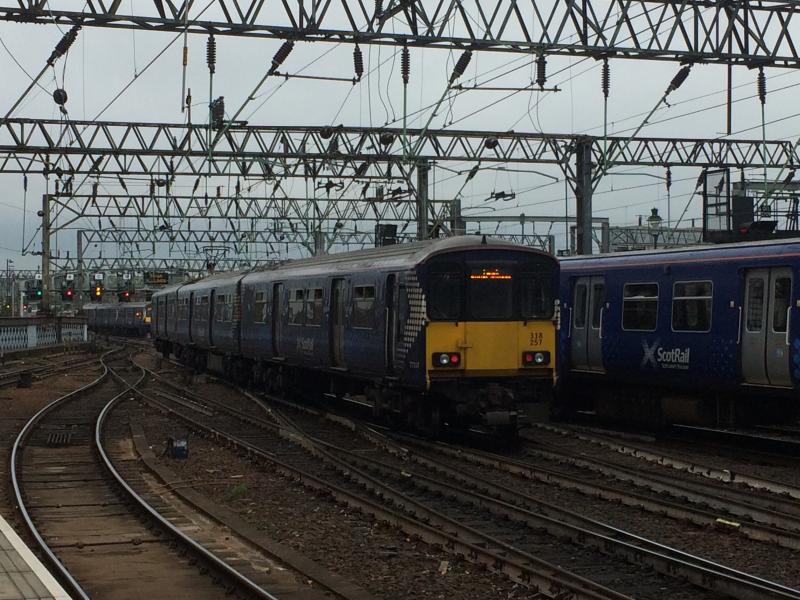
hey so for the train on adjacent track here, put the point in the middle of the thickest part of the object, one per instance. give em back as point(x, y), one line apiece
point(707, 334)
point(127, 318)
point(458, 331)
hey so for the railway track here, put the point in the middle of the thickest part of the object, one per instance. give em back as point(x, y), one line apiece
point(268, 440)
point(674, 460)
point(84, 517)
point(474, 503)
point(37, 369)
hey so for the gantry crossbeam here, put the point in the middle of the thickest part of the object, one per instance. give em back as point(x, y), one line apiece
point(709, 31)
point(166, 149)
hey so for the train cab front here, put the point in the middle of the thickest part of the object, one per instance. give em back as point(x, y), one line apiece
point(490, 335)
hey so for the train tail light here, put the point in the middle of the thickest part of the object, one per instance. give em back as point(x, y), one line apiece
point(444, 360)
point(535, 359)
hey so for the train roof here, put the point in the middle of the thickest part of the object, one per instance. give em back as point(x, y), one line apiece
point(102, 306)
point(395, 256)
point(715, 252)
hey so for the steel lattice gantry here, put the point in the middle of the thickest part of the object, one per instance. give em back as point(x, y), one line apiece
point(705, 31)
point(51, 146)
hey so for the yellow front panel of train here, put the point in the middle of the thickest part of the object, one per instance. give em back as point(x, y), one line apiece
point(490, 348)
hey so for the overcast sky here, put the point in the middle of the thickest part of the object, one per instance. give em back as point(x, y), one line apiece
point(103, 61)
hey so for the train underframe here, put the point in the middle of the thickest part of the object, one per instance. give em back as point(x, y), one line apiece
point(488, 406)
point(656, 406)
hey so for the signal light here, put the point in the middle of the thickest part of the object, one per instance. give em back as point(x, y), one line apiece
point(97, 293)
point(67, 294)
point(124, 296)
point(38, 293)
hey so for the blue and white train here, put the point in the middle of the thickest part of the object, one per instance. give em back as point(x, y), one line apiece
point(456, 330)
point(705, 334)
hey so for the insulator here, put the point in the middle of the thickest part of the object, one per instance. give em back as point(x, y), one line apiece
point(25, 183)
point(64, 44)
point(762, 85)
point(606, 78)
point(358, 62)
point(405, 64)
point(378, 8)
point(679, 78)
point(211, 54)
point(461, 65)
point(541, 71)
point(281, 55)
point(669, 178)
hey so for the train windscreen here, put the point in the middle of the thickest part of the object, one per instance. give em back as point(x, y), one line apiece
point(490, 290)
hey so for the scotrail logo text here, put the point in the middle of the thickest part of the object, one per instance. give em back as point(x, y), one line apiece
point(656, 356)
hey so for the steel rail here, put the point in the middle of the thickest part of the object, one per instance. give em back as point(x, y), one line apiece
point(520, 468)
point(558, 521)
point(75, 588)
point(648, 454)
point(242, 580)
point(505, 501)
point(519, 565)
point(663, 558)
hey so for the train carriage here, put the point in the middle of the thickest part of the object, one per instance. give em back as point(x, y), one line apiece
point(457, 330)
point(130, 318)
point(706, 334)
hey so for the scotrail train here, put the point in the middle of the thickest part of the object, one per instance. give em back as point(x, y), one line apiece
point(703, 335)
point(457, 331)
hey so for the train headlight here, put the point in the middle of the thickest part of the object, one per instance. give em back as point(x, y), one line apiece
point(446, 359)
point(535, 359)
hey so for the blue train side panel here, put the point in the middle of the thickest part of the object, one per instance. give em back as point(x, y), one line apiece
point(710, 320)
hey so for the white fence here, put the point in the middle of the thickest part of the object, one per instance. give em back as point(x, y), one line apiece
point(39, 332)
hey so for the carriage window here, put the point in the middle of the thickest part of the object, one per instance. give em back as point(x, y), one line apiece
point(691, 306)
point(491, 292)
point(598, 302)
point(219, 308)
point(640, 306)
point(755, 304)
point(314, 306)
point(260, 308)
point(363, 307)
point(536, 300)
point(780, 311)
point(444, 293)
point(581, 297)
point(296, 299)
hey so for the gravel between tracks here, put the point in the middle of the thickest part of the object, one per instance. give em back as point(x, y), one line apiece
point(378, 557)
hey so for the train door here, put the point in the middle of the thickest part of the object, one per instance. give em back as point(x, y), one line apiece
point(212, 309)
point(190, 316)
point(588, 311)
point(337, 322)
point(391, 324)
point(277, 326)
point(764, 337)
